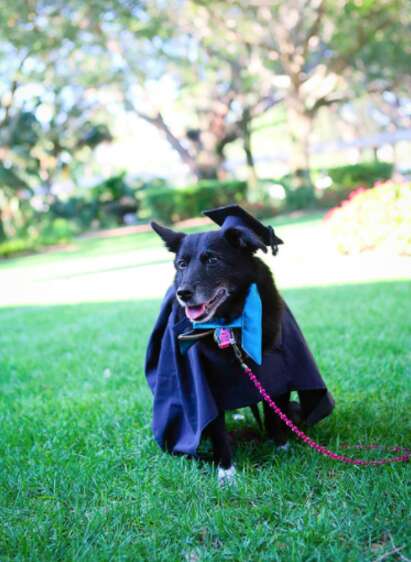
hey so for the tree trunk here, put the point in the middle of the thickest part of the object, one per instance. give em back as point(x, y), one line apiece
point(255, 194)
point(208, 163)
point(300, 123)
point(208, 159)
point(395, 161)
point(2, 232)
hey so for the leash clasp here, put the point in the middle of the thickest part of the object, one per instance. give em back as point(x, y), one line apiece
point(224, 337)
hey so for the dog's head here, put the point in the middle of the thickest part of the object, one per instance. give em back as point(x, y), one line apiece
point(213, 269)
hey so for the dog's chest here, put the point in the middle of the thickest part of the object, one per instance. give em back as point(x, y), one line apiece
point(227, 382)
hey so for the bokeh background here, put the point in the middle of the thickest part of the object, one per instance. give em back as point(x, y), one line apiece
point(116, 112)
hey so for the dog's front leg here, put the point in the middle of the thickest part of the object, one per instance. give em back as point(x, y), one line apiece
point(223, 457)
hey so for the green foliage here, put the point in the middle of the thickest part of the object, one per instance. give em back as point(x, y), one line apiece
point(77, 209)
point(107, 203)
point(342, 180)
point(25, 130)
point(49, 122)
point(296, 198)
point(56, 230)
point(111, 189)
point(44, 231)
point(364, 173)
point(62, 62)
point(161, 204)
point(10, 180)
point(102, 205)
point(16, 246)
point(113, 199)
point(171, 205)
point(379, 218)
point(299, 198)
point(347, 178)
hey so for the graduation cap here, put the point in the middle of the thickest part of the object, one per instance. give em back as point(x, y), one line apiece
point(234, 218)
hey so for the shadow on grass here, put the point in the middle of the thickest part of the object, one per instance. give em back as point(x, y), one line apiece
point(360, 336)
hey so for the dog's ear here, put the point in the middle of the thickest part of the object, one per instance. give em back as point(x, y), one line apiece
point(243, 238)
point(171, 238)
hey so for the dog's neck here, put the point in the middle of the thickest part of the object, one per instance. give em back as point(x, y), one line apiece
point(270, 300)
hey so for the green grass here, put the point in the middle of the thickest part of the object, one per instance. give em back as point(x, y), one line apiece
point(81, 478)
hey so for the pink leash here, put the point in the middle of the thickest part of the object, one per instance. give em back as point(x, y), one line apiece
point(405, 457)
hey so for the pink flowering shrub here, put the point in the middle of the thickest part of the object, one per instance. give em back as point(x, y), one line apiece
point(374, 219)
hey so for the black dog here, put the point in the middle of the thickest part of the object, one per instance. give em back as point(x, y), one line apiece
point(214, 273)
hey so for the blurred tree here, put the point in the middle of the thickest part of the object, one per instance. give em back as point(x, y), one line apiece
point(49, 116)
point(320, 52)
point(219, 108)
point(200, 72)
point(228, 89)
point(217, 95)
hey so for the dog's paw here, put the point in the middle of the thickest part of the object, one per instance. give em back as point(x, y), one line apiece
point(226, 476)
point(283, 448)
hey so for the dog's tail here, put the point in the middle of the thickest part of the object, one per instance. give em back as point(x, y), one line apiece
point(257, 416)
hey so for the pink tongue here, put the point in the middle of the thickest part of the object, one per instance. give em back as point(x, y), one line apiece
point(193, 312)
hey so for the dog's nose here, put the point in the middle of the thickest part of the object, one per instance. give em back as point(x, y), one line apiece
point(184, 294)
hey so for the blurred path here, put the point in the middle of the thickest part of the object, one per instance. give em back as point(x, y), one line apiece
point(136, 267)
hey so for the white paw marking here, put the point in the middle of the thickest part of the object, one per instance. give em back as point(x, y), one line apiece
point(283, 448)
point(226, 476)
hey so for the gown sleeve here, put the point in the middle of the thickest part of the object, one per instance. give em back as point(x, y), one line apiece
point(190, 388)
point(183, 404)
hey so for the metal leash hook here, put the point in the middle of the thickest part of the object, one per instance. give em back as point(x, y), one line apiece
point(224, 337)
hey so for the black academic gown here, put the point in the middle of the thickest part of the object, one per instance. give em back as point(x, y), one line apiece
point(190, 388)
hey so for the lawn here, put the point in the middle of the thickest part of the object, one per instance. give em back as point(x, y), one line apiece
point(80, 476)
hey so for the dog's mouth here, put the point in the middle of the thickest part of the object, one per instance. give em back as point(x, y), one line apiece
point(205, 311)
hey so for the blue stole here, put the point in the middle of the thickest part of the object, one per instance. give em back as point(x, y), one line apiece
point(249, 322)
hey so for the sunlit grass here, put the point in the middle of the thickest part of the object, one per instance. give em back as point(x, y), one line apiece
point(80, 475)
point(137, 266)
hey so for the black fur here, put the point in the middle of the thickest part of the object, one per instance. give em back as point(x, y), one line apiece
point(209, 261)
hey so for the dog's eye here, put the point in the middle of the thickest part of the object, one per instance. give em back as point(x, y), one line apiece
point(181, 264)
point(211, 260)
